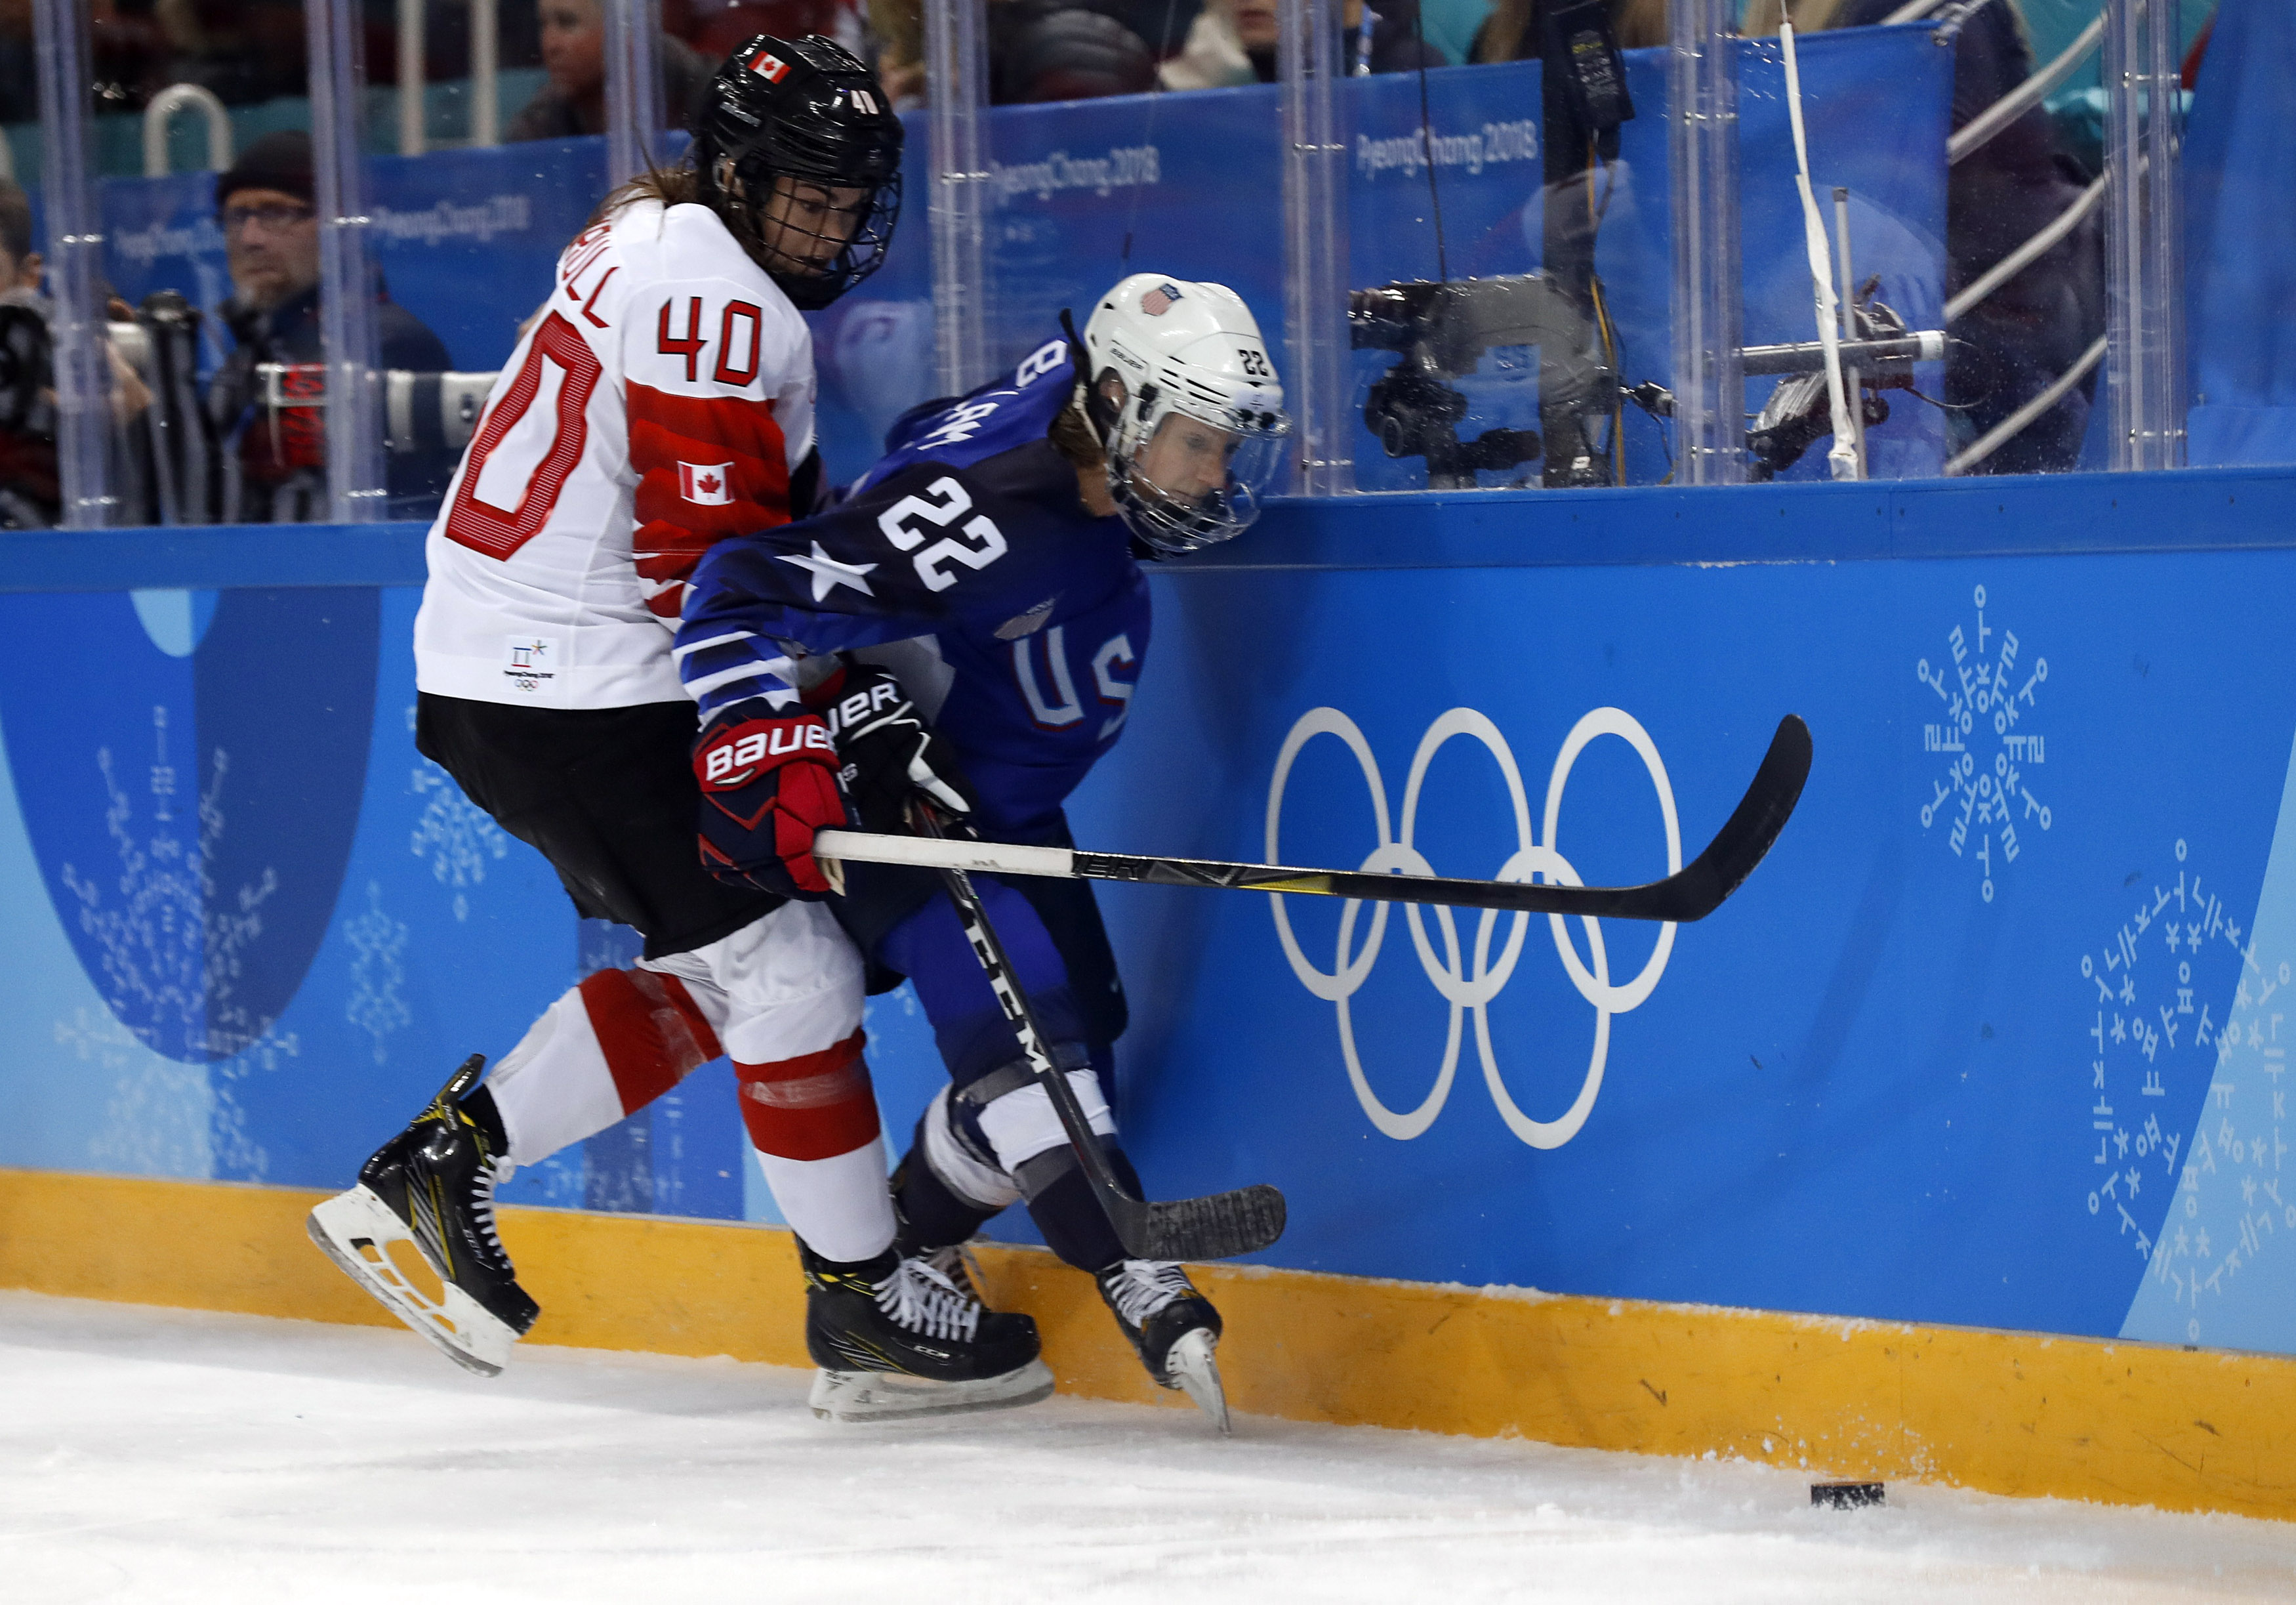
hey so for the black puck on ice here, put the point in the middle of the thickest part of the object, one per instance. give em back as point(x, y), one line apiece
point(1845, 1495)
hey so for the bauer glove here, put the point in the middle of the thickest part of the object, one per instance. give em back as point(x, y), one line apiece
point(886, 752)
point(768, 782)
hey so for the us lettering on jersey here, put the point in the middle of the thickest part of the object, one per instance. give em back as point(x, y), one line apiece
point(706, 483)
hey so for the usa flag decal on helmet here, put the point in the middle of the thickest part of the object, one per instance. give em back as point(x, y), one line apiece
point(1158, 301)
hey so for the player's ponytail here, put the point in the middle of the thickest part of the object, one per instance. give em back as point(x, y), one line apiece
point(1074, 437)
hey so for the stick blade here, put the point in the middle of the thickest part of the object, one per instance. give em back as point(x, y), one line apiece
point(1217, 1226)
point(1746, 836)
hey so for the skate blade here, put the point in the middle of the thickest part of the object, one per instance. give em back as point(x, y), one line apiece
point(1191, 1369)
point(870, 1396)
point(355, 1229)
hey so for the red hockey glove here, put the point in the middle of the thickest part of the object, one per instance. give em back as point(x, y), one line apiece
point(886, 752)
point(768, 782)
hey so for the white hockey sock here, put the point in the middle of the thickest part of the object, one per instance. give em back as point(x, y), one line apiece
point(605, 1050)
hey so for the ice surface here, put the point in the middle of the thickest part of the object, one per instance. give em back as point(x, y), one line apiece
point(158, 1456)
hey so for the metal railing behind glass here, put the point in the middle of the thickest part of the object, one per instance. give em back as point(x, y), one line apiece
point(161, 112)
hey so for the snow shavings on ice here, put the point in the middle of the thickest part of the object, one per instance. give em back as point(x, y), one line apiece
point(158, 1456)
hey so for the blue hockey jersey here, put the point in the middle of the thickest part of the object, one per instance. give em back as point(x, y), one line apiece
point(966, 560)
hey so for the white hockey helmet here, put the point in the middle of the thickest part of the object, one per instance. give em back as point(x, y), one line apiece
point(1186, 401)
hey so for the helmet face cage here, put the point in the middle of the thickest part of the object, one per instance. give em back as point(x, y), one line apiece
point(787, 127)
point(1171, 519)
point(814, 249)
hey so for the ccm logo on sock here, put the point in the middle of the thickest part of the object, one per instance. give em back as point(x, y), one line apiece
point(733, 761)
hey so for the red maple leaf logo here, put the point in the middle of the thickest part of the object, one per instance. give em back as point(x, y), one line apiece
point(706, 484)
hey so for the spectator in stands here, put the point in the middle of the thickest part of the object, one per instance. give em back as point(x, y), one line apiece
point(30, 496)
point(1060, 50)
point(899, 27)
point(19, 75)
point(716, 29)
point(19, 263)
point(1511, 32)
point(574, 54)
point(276, 455)
point(1234, 42)
point(2015, 343)
point(1039, 50)
point(246, 51)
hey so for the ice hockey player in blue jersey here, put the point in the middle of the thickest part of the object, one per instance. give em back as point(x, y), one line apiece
point(969, 623)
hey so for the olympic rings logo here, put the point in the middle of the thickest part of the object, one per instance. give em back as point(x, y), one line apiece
point(1471, 991)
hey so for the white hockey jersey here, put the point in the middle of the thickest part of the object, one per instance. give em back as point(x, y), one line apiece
point(662, 400)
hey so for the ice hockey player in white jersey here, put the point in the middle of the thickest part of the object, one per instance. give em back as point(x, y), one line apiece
point(660, 401)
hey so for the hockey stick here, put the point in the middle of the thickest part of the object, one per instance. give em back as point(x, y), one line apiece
point(1218, 1226)
point(1692, 892)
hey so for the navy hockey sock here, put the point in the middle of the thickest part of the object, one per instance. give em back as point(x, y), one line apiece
point(1069, 1214)
point(931, 1216)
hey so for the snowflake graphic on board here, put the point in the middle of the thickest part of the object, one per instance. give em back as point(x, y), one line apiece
point(172, 948)
point(2153, 1034)
point(2235, 1176)
point(455, 836)
point(377, 940)
point(1984, 798)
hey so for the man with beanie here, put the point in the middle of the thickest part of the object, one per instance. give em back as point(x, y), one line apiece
point(275, 457)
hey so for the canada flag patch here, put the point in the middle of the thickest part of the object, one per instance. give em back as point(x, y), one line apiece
point(707, 483)
point(769, 67)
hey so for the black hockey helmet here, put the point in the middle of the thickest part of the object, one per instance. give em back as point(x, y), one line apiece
point(805, 109)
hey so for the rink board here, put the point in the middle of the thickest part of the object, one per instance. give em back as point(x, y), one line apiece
point(1990, 1041)
point(2006, 1413)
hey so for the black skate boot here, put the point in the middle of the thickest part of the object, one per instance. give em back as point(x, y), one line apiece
point(896, 1338)
point(1173, 1327)
point(432, 1187)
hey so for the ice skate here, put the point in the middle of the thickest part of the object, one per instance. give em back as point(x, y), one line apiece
point(1173, 1327)
point(432, 1189)
point(898, 1338)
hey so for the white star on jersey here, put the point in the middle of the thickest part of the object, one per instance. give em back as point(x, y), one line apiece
point(828, 573)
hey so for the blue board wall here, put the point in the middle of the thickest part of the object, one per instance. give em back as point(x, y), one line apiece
point(1993, 1038)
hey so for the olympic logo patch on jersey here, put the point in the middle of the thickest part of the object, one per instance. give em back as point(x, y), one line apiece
point(769, 67)
point(706, 484)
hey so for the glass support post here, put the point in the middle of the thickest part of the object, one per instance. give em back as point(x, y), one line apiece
point(633, 88)
point(1710, 384)
point(957, 89)
point(410, 78)
point(346, 298)
point(1316, 375)
point(486, 62)
point(2144, 288)
point(75, 246)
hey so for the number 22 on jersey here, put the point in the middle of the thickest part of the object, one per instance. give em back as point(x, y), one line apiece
point(950, 501)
